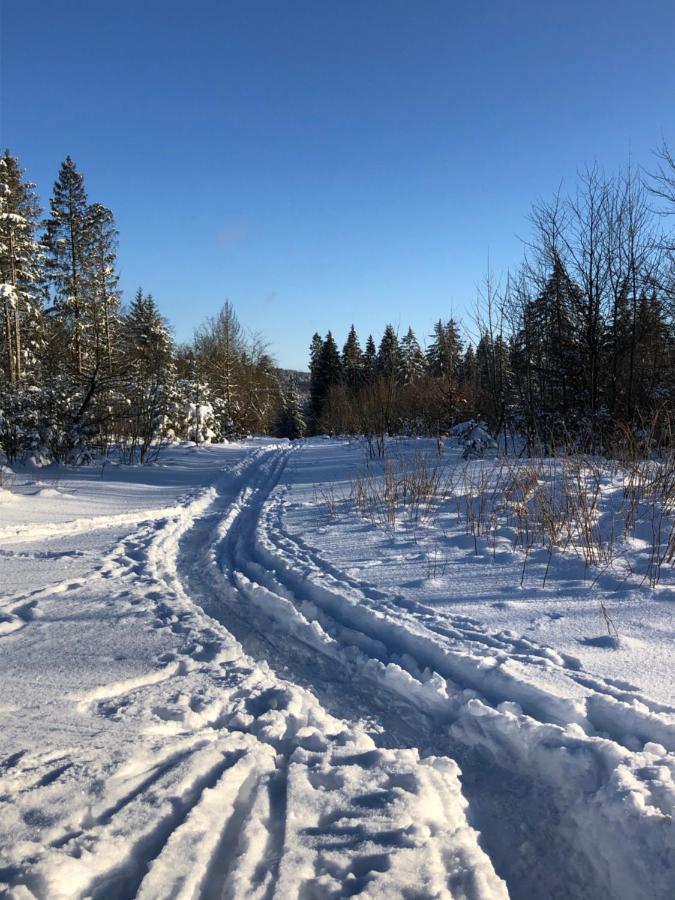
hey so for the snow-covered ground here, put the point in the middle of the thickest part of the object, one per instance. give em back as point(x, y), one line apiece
point(218, 680)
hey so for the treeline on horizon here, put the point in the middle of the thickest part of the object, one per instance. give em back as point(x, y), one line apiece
point(575, 349)
point(80, 373)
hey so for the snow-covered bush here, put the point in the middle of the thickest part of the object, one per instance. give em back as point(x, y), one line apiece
point(6, 476)
point(199, 423)
point(474, 437)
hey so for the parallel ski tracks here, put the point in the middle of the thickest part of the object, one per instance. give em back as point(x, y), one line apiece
point(221, 569)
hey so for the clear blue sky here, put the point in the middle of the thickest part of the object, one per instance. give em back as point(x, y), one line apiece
point(329, 161)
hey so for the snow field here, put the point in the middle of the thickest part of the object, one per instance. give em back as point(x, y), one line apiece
point(147, 755)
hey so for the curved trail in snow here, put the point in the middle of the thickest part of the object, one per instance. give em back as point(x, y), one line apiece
point(302, 737)
point(366, 657)
point(232, 780)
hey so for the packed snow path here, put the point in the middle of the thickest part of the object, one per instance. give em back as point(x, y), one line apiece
point(223, 708)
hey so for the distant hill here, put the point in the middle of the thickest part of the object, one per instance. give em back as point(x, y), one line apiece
point(297, 379)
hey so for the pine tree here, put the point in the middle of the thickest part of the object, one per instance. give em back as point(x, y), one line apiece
point(352, 362)
point(444, 354)
point(330, 366)
point(327, 371)
point(220, 346)
point(150, 372)
point(21, 320)
point(291, 423)
point(370, 361)
point(315, 349)
point(413, 362)
point(551, 353)
point(20, 275)
point(67, 243)
point(435, 351)
point(389, 356)
point(469, 373)
point(102, 312)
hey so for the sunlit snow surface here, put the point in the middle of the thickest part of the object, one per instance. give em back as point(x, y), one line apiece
point(213, 685)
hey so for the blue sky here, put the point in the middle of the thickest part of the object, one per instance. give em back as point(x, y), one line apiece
point(324, 162)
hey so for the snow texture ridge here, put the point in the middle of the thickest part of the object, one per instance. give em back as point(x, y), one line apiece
point(246, 697)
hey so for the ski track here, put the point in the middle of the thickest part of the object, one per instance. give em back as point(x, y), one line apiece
point(303, 740)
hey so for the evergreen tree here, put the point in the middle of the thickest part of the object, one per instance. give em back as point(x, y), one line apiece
point(220, 346)
point(549, 361)
point(469, 373)
point(327, 372)
point(315, 387)
point(291, 423)
point(370, 361)
point(389, 356)
point(20, 275)
point(435, 351)
point(352, 362)
point(150, 374)
point(330, 366)
point(22, 336)
point(444, 354)
point(102, 313)
point(413, 362)
point(67, 243)
point(315, 349)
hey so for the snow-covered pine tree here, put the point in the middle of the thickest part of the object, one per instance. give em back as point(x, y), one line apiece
point(413, 362)
point(67, 243)
point(291, 423)
point(21, 323)
point(102, 311)
point(149, 375)
point(219, 344)
point(20, 275)
point(444, 353)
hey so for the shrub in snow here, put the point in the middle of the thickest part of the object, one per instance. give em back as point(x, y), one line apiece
point(474, 437)
point(39, 457)
point(6, 477)
point(199, 423)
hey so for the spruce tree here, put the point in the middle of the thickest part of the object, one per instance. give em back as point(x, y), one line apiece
point(67, 244)
point(413, 362)
point(220, 345)
point(327, 372)
point(291, 423)
point(444, 354)
point(102, 311)
point(150, 371)
point(352, 362)
point(315, 349)
point(21, 322)
point(20, 275)
point(370, 361)
point(315, 388)
point(389, 356)
point(436, 352)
